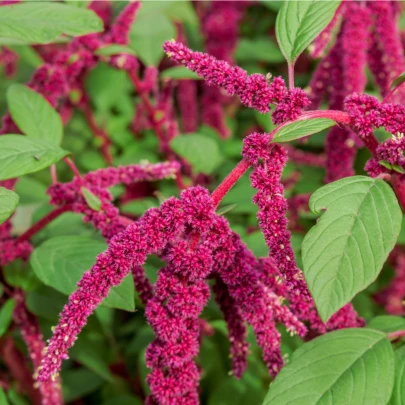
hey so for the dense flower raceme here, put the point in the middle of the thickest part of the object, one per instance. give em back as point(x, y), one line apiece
point(268, 163)
point(195, 243)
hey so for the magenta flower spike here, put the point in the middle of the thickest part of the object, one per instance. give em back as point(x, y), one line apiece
point(254, 90)
point(126, 250)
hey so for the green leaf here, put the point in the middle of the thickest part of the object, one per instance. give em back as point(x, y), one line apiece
point(78, 383)
point(149, 31)
point(34, 115)
point(260, 49)
point(387, 323)
point(42, 22)
point(91, 199)
point(389, 166)
point(179, 72)
point(398, 393)
point(299, 23)
point(3, 398)
point(299, 129)
point(114, 49)
point(61, 261)
point(6, 315)
point(345, 251)
point(8, 203)
point(21, 155)
point(399, 80)
point(226, 208)
point(350, 366)
point(201, 151)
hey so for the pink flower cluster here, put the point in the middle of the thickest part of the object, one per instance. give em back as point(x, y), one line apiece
point(254, 91)
point(107, 219)
point(51, 392)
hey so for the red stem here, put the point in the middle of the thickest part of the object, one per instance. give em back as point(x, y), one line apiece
point(72, 166)
point(99, 133)
point(395, 335)
point(291, 75)
point(229, 181)
point(156, 125)
point(28, 234)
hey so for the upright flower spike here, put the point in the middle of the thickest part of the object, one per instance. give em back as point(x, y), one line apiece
point(128, 249)
point(51, 390)
point(254, 90)
point(119, 33)
point(237, 332)
point(389, 44)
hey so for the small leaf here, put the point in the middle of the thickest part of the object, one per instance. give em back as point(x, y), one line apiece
point(299, 23)
point(179, 72)
point(387, 323)
point(77, 383)
point(398, 393)
point(385, 164)
point(42, 22)
point(350, 366)
point(299, 129)
point(17, 155)
point(8, 203)
point(201, 151)
point(399, 80)
point(91, 199)
point(227, 208)
point(345, 251)
point(6, 315)
point(114, 49)
point(34, 115)
point(61, 261)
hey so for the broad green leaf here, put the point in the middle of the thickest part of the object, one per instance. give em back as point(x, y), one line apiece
point(3, 398)
point(199, 150)
point(149, 31)
point(398, 393)
point(179, 72)
point(77, 383)
point(261, 49)
point(8, 203)
point(6, 315)
point(399, 80)
point(387, 323)
point(34, 115)
point(345, 251)
point(61, 261)
point(16, 398)
point(114, 49)
point(299, 23)
point(21, 155)
point(350, 366)
point(42, 22)
point(92, 356)
point(299, 129)
point(91, 199)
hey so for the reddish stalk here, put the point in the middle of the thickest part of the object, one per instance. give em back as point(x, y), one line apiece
point(72, 166)
point(54, 176)
point(395, 335)
point(220, 192)
point(156, 125)
point(98, 133)
point(28, 234)
point(291, 75)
